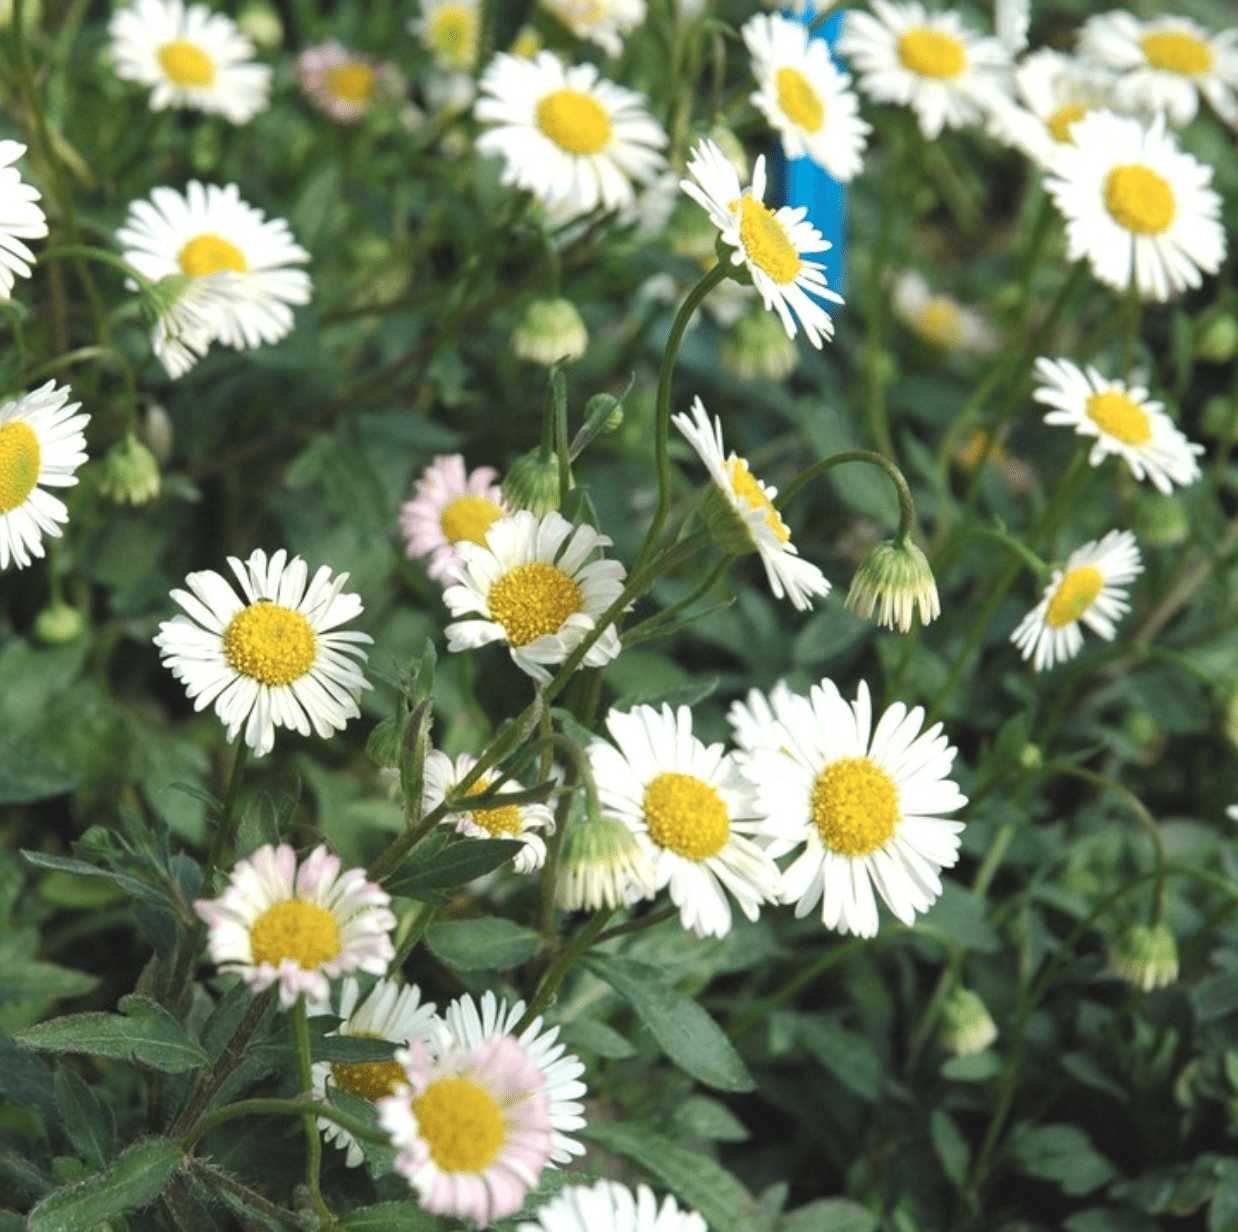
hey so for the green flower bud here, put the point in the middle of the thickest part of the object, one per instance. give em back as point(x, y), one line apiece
point(550, 330)
point(58, 624)
point(966, 1024)
point(1031, 757)
point(130, 473)
point(1145, 956)
point(756, 348)
point(900, 580)
point(532, 484)
point(260, 22)
point(601, 865)
point(386, 744)
point(1217, 341)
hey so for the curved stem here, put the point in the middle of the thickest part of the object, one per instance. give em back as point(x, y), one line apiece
point(1015, 546)
point(906, 506)
point(76, 252)
point(640, 924)
point(561, 966)
point(281, 1107)
point(648, 628)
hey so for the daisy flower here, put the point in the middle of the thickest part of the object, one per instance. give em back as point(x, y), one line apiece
point(1136, 206)
point(804, 96)
point(190, 57)
point(274, 658)
point(1089, 589)
point(895, 581)
point(770, 244)
point(20, 218)
point(604, 22)
point(1011, 19)
point(930, 62)
point(1122, 419)
point(691, 812)
point(514, 821)
point(742, 517)
point(940, 319)
point(572, 139)
point(607, 1206)
point(298, 927)
point(241, 259)
point(1165, 64)
point(390, 1012)
point(533, 586)
point(865, 803)
point(450, 30)
point(344, 84)
point(601, 864)
point(41, 445)
point(450, 506)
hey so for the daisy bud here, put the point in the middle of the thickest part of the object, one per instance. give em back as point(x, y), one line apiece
point(386, 744)
point(533, 483)
point(1145, 956)
point(550, 330)
point(130, 473)
point(601, 864)
point(261, 24)
point(756, 348)
point(58, 624)
point(967, 1026)
point(1218, 339)
point(898, 577)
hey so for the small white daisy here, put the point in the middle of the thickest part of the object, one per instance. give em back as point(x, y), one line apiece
point(607, 1206)
point(804, 97)
point(344, 84)
point(931, 62)
point(770, 244)
point(390, 1012)
point(534, 587)
point(41, 445)
point(604, 22)
point(690, 810)
point(298, 927)
point(1089, 590)
point(20, 218)
point(574, 140)
point(1136, 206)
point(866, 804)
point(744, 519)
point(450, 30)
point(190, 57)
point(1123, 420)
point(941, 319)
point(275, 658)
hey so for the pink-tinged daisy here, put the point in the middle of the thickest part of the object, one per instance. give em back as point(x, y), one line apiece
point(298, 927)
point(450, 506)
point(344, 84)
point(607, 1206)
point(20, 218)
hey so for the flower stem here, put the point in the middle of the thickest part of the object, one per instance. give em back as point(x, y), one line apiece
point(305, 1074)
point(561, 966)
point(906, 506)
point(831, 958)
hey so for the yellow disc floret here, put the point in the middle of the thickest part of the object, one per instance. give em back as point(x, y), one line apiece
point(1120, 417)
point(766, 242)
point(370, 1079)
point(932, 54)
point(532, 601)
point(1176, 51)
point(272, 644)
point(496, 821)
point(352, 82)
point(186, 64)
point(461, 1123)
point(1139, 199)
point(20, 461)
point(574, 121)
point(469, 517)
point(854, 807)
point(1076, 592)
point(941, 323)
point(453, 35)
point(745, 486)
point(304, 932)
point(686, 815)
point(208, 254)
point(799, 100)
point(1060, 121)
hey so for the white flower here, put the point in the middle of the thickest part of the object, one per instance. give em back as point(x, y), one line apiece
point(770, 244)
point(41, 445)
point(941, 319)
point(1089, 589)
point(746, 519)
point(20, 218)
point(1122, 419)
point(1011, 19)
point(534, 587)
point(190, 57)
point(931, 62)
point(607, 1206)
point(298, 927)
point(272, 659)
point(1136, 206)
point(804, 96)
point(572, 139)
point(866, 804)
point(604, 22)
point(690, 810)
point(450, 30)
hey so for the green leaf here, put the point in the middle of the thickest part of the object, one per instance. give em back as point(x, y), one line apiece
point(490, 944)
point(585, 1035)
point(27, 979)
point(28, 774)
point(829, 1215)
point(89, 1130)
point(699, 1116)
point(959, 916)
point(449, 868)
point(979, 1067)
point(351, 1049)
point(689, 1036)
point(951, 1147)
point(391, 1217)
point(847, 1055)
point(132, 886)
point(1063, 1154)
point(1223, 1211)
point(1109, 1219)
point(132, 1182)
point(145, 1034)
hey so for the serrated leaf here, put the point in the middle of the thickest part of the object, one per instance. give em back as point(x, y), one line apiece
point(351, 1049)
point(489, 944)
point(450, 867)
point(89, 1129)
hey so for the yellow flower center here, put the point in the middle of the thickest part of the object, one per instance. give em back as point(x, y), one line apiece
point(533, 600)
point(941, 322)
point(185, 64)
point(798, 100)
point(496, 821)
point(932, 53)
point(574, 121)
point(304, 932)
point(272, 644)
point(1139, 199)
point(453, 33)
point(686, 816)
point(1121, 417)
point(469, 517)
point(20, 461)
point(1060, 121)
point(854, 807)
point(765, 241)
point(370, 1079)
point(461, 1123)
point(208, 254)
point(352, 82)
point(972, 450)
point(1076, 593)
point(1177, 52)
point(745, 486)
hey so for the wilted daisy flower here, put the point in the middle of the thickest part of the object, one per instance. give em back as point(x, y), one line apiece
point(690, 810)
point(514, 821)
point(390, 1012)
point(471, 1127)
point(272, 659)
point(741, 515)
point(1136, 206)
point(866, 804)
point(449, 506)
point(344, 84)
point(243, 259)
point(450, 31)
point(930, 62)
point(601, 864)
point(41, 445)
point(1145, 956)
point(1090, 590)
point(1122, 419)
point(572, 139)
point(534, 587)
point(190, 57)
point(298, 927)
point(897, 580)
point(604, 22)
point(941, 319)
point(607, 1206)
point(804, 96)
point(1165, 64)
point(20, 218)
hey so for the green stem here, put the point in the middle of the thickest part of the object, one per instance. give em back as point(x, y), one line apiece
point(225, 827)
point(561, 966)
point(906, 506)
point(1134, 318)
point(648, 628)
point(74, 252)
point(992, 861)
point(305, 1075)
point(1015, 546)
point(639, 925)
point(831, 958)
point(306, 1108)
